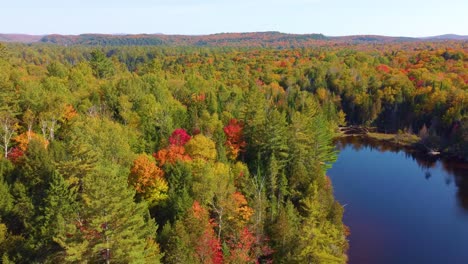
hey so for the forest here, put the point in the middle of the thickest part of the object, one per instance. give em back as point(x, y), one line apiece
point(119, 154)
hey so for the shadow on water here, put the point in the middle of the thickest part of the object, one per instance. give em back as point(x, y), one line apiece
point(456, 171)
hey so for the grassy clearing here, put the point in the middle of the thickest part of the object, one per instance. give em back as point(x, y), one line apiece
point(402, 139)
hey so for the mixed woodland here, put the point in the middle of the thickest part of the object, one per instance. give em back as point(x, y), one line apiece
point(119, 154)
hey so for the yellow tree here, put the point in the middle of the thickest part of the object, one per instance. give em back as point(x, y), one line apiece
point(201, 147)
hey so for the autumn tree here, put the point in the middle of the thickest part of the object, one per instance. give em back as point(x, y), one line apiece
point(201, 244)
point(148, 180)
point(201, 147)
point(234, 138)
point(171, 154)
point(179, 137)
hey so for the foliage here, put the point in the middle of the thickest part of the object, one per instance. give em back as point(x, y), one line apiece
point(148, 180)
point(109, 223)
point(179, 137)
point(201, 147)
point(171, 155)
point(234, 138)
point(241, 140)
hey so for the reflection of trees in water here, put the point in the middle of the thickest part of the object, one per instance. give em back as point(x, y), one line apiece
point(462, 190)
point(427, 175)
point(460, 173)
point(357, 143)
point(448, 179)
point(455, 170)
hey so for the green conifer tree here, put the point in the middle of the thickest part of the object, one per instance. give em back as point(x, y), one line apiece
point(110, 226)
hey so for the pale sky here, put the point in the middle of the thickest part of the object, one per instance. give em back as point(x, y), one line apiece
point(414, 18)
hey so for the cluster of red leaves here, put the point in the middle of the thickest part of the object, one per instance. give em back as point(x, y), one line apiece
point(248, 248)
point(259, 82)
point(22, 141)
point(196, 131)
point(383, 68)
point(234, 137)
point(171, 154)
point(283, 64)
point(241, 248)
point(199, 97)
point(208, 246)
point(15, 154)
point(176, 150)
point(87, 233)
point(197, 210)
point(179, 137)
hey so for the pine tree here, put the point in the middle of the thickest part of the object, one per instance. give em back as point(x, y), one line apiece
point(321, 241)
point(35, 171)
point(276, 140)
point(110, 226)
point(77, 159)
point(284, 233)
point(6, 199)
point(178, 247)
point(311, 150)
point(101, 65)
point(59, 205)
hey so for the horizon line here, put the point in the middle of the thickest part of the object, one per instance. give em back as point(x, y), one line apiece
point(233, 32)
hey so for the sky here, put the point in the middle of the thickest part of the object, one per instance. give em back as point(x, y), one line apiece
point(413, 18)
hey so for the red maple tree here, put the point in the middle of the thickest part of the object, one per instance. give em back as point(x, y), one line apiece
point(235, 137)
point(179, 137)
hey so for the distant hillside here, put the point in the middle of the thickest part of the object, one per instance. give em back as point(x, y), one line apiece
point(448, 37)
point(253, 39)
point(261, 39)
point(19, 38)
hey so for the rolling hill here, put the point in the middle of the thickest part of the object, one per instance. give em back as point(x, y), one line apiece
point(251, 39)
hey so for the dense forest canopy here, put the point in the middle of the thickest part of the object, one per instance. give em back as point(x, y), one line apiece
point(202, 155)
point(271, 39)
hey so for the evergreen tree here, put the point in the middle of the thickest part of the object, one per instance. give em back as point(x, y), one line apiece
point(6, 199)
point(59, 206)
point(321, 241)
point(109, 226)
point(101, 65)
point(178, 247)
point(284, 233)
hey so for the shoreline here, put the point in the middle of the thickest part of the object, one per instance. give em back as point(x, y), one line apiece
point(409, 142)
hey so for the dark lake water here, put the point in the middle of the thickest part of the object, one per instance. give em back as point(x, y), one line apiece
point(400, 207)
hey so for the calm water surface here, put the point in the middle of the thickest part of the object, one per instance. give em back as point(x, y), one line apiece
point(401, 208)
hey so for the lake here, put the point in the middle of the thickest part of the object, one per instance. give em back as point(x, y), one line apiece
point(401, 207)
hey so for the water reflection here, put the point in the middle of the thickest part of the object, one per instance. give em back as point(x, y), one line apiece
point(403, 206)
point(461, 180)
point(455, 171)
point(428, 175)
